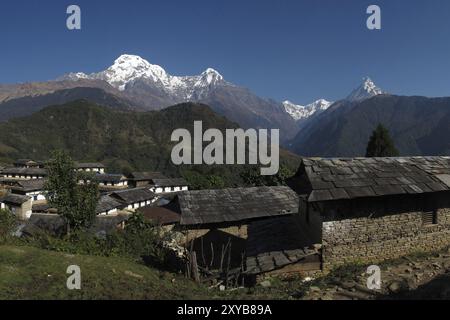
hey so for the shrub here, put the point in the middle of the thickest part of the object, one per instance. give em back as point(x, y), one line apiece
point(8, 223)
point(140, 240)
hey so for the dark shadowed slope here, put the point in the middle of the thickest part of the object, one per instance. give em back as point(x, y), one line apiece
point(418, 125)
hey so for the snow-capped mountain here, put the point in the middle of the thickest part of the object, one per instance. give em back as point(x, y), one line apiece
point(299, 112)
point(151, 87)
point(128, 69)
point(366, 90)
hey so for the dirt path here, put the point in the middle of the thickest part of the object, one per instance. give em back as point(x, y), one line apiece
point(405, 278)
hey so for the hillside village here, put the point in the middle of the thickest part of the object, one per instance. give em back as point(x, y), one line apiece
point(24, 184)
point(334, 211)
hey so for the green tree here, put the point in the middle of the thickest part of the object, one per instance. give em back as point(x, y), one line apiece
point(7, 225)
point(75, 203)
point(252, 177)
point(381, 144)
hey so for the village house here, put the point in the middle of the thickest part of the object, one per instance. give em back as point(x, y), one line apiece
point(90, 167)
point(133, 199)
point(28, 163)
point(372, 209)
point(23, 195)
point(32, 188)
point(107, 181)
point(143, 179)
point(108, 206)
point(167, 216)
point(169, 185)
point(24, 173)
point(19, 205)
point(113, 181)
point(251, 222)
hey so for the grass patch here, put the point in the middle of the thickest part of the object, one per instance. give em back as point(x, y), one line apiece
point(32, 273)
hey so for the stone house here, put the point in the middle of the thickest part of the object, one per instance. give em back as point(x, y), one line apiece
point(19, 205)
point(247, 220)
point(372, 209)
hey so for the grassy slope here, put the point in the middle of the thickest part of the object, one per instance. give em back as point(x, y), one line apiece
point(30, 273)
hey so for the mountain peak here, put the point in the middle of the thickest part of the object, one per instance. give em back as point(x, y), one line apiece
point(211, 76)
point(128, 67)
point(366, 90)
point(131, 58)
point(300, 112)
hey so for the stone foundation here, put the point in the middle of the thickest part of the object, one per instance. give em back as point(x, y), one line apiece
point(375, 233)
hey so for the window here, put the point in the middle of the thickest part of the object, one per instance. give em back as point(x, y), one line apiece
point(429, 218)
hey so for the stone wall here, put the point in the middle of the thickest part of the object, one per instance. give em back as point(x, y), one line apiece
point(372, 231)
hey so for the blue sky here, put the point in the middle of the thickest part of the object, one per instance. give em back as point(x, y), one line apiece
point(299, 50)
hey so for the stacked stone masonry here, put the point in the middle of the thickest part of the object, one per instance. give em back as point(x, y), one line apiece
point(373, 236)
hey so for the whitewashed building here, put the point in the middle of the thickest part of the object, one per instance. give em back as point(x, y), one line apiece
point(95, 167)
point(23, 173)
point(133, 199)
point(169, 185)
point(108, 206)
point(32, 188)
point(109, 180)
point(19, 205)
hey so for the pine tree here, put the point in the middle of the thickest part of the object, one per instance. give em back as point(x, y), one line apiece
point(381, 144)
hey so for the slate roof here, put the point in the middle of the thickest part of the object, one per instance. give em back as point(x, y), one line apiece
point(85, 165)
point(275, 243)
point(25, 171)
point(15, 199)
point(131, 196)
point(160, 215)
point(147, 175)
point(235, 204)
point(178, 182)
point(29, 185)
point(109, 177)
point(107, 203)
point(42, 207)
point(26, 162)
point(348, 178)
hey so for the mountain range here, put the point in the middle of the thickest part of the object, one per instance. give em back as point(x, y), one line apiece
point(321, 128)
point(418, 126)
point(142, 86)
